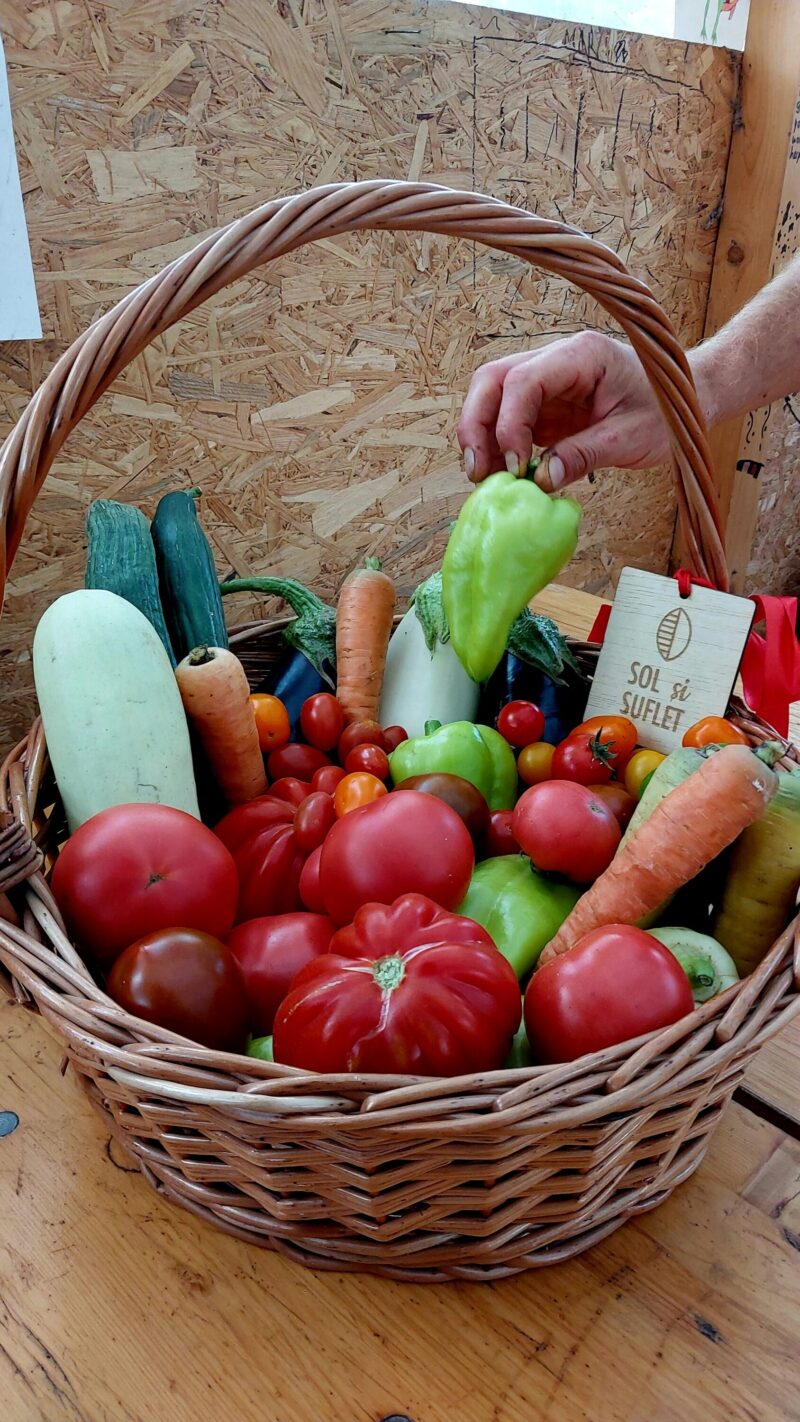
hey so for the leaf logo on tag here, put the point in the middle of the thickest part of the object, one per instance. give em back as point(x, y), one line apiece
point(674, 634)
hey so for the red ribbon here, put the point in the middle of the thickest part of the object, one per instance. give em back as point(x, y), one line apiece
point(771, 663)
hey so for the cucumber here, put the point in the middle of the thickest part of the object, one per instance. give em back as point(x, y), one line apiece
point(189, 587)
point(113, 719)
point(121, 559)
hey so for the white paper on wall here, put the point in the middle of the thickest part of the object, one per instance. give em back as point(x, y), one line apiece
point(19, 311)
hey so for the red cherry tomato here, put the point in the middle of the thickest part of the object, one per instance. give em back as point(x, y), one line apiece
point(585, 758)
point(565, 829)
point(616, 731)
point(314, 818)
point(521, 723)
point(290, 789)
point(621, 804)
point(356, 790)
point(615, 984)
point(369, 758)
point(269, 952)
point(394, 737)
point(327, 778)
point(534, 763)
point(309, 888)
point(272, 721)
point(187, 982)
point(297, 761)
point(402, 843)
point(499, 836)
point(360, 733)
point(133, 869)
point(322, 721)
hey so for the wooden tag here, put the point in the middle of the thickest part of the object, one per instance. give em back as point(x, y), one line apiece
point(666, 660)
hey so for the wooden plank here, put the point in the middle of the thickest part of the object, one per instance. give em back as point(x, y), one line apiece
point(116, 1305)
point(762, 178)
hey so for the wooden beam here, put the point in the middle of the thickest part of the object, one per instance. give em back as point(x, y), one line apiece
point(763, 175)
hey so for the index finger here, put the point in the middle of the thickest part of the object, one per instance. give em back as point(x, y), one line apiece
point(476, 427)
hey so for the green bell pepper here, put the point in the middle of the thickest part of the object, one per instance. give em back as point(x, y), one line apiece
point(708, 966)
point(476, 753)
point(260, 1047)
point(520, 908)
point(510, 540)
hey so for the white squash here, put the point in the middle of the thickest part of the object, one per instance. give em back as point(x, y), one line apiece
point(115, 727)
point(423, 678)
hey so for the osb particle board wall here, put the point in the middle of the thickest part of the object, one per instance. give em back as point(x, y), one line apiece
point(315, 402)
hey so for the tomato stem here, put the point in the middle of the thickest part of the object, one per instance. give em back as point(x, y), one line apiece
point(389, 972)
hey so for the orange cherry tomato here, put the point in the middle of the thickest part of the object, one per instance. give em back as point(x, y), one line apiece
point(533, 763)
point(356, 790)
point(272, 721)
point(714, 731)
point(615, 731)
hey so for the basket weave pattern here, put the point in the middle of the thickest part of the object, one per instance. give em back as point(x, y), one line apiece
point(472, 1178)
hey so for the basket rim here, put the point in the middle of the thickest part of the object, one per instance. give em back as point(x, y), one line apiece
point(47, 969)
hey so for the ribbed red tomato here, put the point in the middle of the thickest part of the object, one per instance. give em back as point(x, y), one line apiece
point(268, 855)
point(405, 988)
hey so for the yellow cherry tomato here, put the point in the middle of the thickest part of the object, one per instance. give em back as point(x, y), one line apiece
point(272, 721)
point(641, 764)
point(357, 789)
point(533, 763)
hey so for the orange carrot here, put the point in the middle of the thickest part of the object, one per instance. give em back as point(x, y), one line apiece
point(689, 828)
point(363, 627)
point(216, 698)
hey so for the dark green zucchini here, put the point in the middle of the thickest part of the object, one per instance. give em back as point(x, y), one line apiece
point(188, 577)
point(121, 559)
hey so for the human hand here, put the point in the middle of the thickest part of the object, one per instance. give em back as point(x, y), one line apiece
point(585, 399)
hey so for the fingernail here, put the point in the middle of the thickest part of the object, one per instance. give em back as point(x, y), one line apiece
point(469, 462)
point(556, 470)
point(512, 462)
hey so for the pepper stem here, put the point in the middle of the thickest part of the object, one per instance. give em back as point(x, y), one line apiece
point(432, 726)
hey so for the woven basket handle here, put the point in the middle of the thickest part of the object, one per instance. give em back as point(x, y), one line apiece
point(94, 360)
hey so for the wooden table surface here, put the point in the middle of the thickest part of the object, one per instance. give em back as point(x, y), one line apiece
point(117, 1308)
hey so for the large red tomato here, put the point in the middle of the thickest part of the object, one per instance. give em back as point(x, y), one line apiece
point(405, 988)
point(269, 858)
point(404, 843)
point(615, 984)
point(565, 829)
point(133, 869)
point(269, 952)
point(187, 982)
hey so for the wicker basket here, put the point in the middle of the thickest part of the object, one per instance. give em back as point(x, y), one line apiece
point(474, 1178)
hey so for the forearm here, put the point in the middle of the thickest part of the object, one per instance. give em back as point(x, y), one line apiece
point(755, 358)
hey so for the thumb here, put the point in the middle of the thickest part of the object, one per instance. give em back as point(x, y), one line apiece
point(573, 458)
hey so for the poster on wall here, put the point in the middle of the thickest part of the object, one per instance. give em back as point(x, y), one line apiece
point(19, 311)
point(721, 22)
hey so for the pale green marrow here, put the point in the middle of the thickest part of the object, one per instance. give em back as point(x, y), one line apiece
point(112, 713)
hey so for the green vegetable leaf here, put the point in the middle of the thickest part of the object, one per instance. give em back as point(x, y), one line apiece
point(428, 603)
point(537, 641)
point(313, 631)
